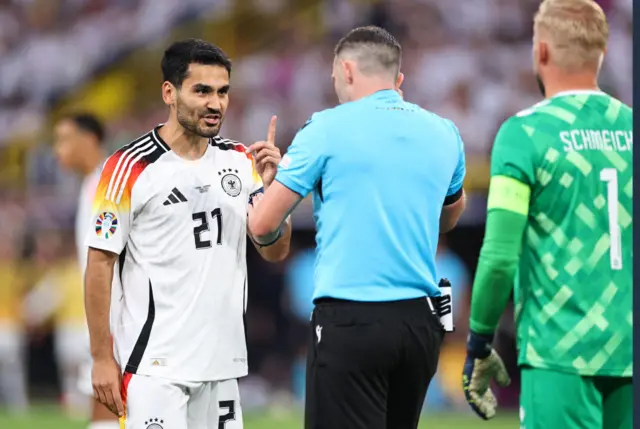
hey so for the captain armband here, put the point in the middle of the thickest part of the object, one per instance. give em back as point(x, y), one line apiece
point(509, 194)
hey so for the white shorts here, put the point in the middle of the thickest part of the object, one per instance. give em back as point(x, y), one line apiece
point(157, 403)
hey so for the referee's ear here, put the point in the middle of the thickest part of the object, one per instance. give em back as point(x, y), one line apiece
point(399, 81)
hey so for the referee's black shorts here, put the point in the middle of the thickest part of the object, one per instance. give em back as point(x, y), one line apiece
point(369, 364)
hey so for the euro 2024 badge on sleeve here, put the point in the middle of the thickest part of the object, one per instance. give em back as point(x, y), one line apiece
point(106, 225)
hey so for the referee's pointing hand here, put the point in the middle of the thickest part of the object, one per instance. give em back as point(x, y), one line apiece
point(107, 380)
point(267, 155)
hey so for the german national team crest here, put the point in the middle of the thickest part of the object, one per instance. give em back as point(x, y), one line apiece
point(231, 183)
point(106, 225)
point(155, 423)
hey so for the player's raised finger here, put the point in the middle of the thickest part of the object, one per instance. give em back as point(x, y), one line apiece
point(271, 135)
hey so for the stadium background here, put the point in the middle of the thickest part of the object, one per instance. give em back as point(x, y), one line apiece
point(468, 60)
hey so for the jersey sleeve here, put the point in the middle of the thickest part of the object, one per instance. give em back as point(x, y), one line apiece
point(114, 203)
point(513, 153)
point(301, 167)
point(461, 170)
point(512, 169)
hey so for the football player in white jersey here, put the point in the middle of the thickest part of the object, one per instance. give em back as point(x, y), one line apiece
point(171, 208)
point(78, 147)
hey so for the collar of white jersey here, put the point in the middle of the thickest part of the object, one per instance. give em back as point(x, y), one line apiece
point(579, 92)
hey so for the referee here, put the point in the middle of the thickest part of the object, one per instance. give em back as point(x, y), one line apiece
point(386, 178)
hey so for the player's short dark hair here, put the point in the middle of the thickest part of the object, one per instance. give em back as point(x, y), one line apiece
point(178, 56)
point(377, 44)
point(87, 122)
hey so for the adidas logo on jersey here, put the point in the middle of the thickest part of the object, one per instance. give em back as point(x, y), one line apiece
point(175, 197)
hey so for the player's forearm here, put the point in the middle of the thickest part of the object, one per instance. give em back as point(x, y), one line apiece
point(280, 249)
point(496, 269)
point(98, 278)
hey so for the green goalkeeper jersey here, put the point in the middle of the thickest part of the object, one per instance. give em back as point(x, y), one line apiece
point(573, 290)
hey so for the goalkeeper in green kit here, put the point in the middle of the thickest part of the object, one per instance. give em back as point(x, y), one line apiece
point(559, 226)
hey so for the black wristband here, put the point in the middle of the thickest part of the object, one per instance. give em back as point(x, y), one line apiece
point(273, 241)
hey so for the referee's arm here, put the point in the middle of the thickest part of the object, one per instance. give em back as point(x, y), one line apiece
point(455, 201)
point(452, 209)
point(298, 173)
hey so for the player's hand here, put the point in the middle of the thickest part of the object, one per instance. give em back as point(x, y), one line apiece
point(106, 379)
point(482, 366)
point(267, 156)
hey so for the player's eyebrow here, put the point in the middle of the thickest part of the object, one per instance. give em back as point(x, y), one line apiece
point(207, 89)
point(201, 87)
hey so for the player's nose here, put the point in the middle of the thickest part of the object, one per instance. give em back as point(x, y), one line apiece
point(214, 103)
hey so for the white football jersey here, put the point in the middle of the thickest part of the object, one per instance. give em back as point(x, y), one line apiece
point(84, 221)
point(179, 227)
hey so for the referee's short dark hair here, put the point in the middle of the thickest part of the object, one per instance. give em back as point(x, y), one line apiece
point(178, 56)
point(373, 48)
point(88, 123)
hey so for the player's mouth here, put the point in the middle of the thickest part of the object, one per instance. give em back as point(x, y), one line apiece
point(212, 120)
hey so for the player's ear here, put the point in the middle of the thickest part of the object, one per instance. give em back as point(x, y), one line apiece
point(543, 53)
point(169, 93)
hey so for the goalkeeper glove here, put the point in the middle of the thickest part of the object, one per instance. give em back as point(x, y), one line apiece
point(482, 365)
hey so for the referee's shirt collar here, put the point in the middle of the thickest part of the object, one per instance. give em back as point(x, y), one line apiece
point(383, 94)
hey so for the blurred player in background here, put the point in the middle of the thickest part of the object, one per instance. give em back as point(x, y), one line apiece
point(13, 379)
point(172, 208)
point(78, 145)
point(559, 214)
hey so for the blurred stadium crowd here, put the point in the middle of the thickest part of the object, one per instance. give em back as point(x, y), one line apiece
point(469, 61)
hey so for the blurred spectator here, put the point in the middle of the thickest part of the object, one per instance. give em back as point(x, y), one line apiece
point(13, 382)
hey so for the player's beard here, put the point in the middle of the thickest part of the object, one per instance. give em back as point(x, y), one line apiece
point(190, 121)
point(541, 87)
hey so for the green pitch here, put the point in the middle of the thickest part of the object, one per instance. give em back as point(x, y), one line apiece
point(49, 418)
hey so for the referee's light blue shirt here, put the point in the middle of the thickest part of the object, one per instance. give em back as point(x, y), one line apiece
point(379, 169)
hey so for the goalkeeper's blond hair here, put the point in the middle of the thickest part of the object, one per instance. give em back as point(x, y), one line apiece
point(576, 31)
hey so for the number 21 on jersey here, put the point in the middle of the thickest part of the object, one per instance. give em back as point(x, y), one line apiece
point(610, 177)
point(202, 225)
